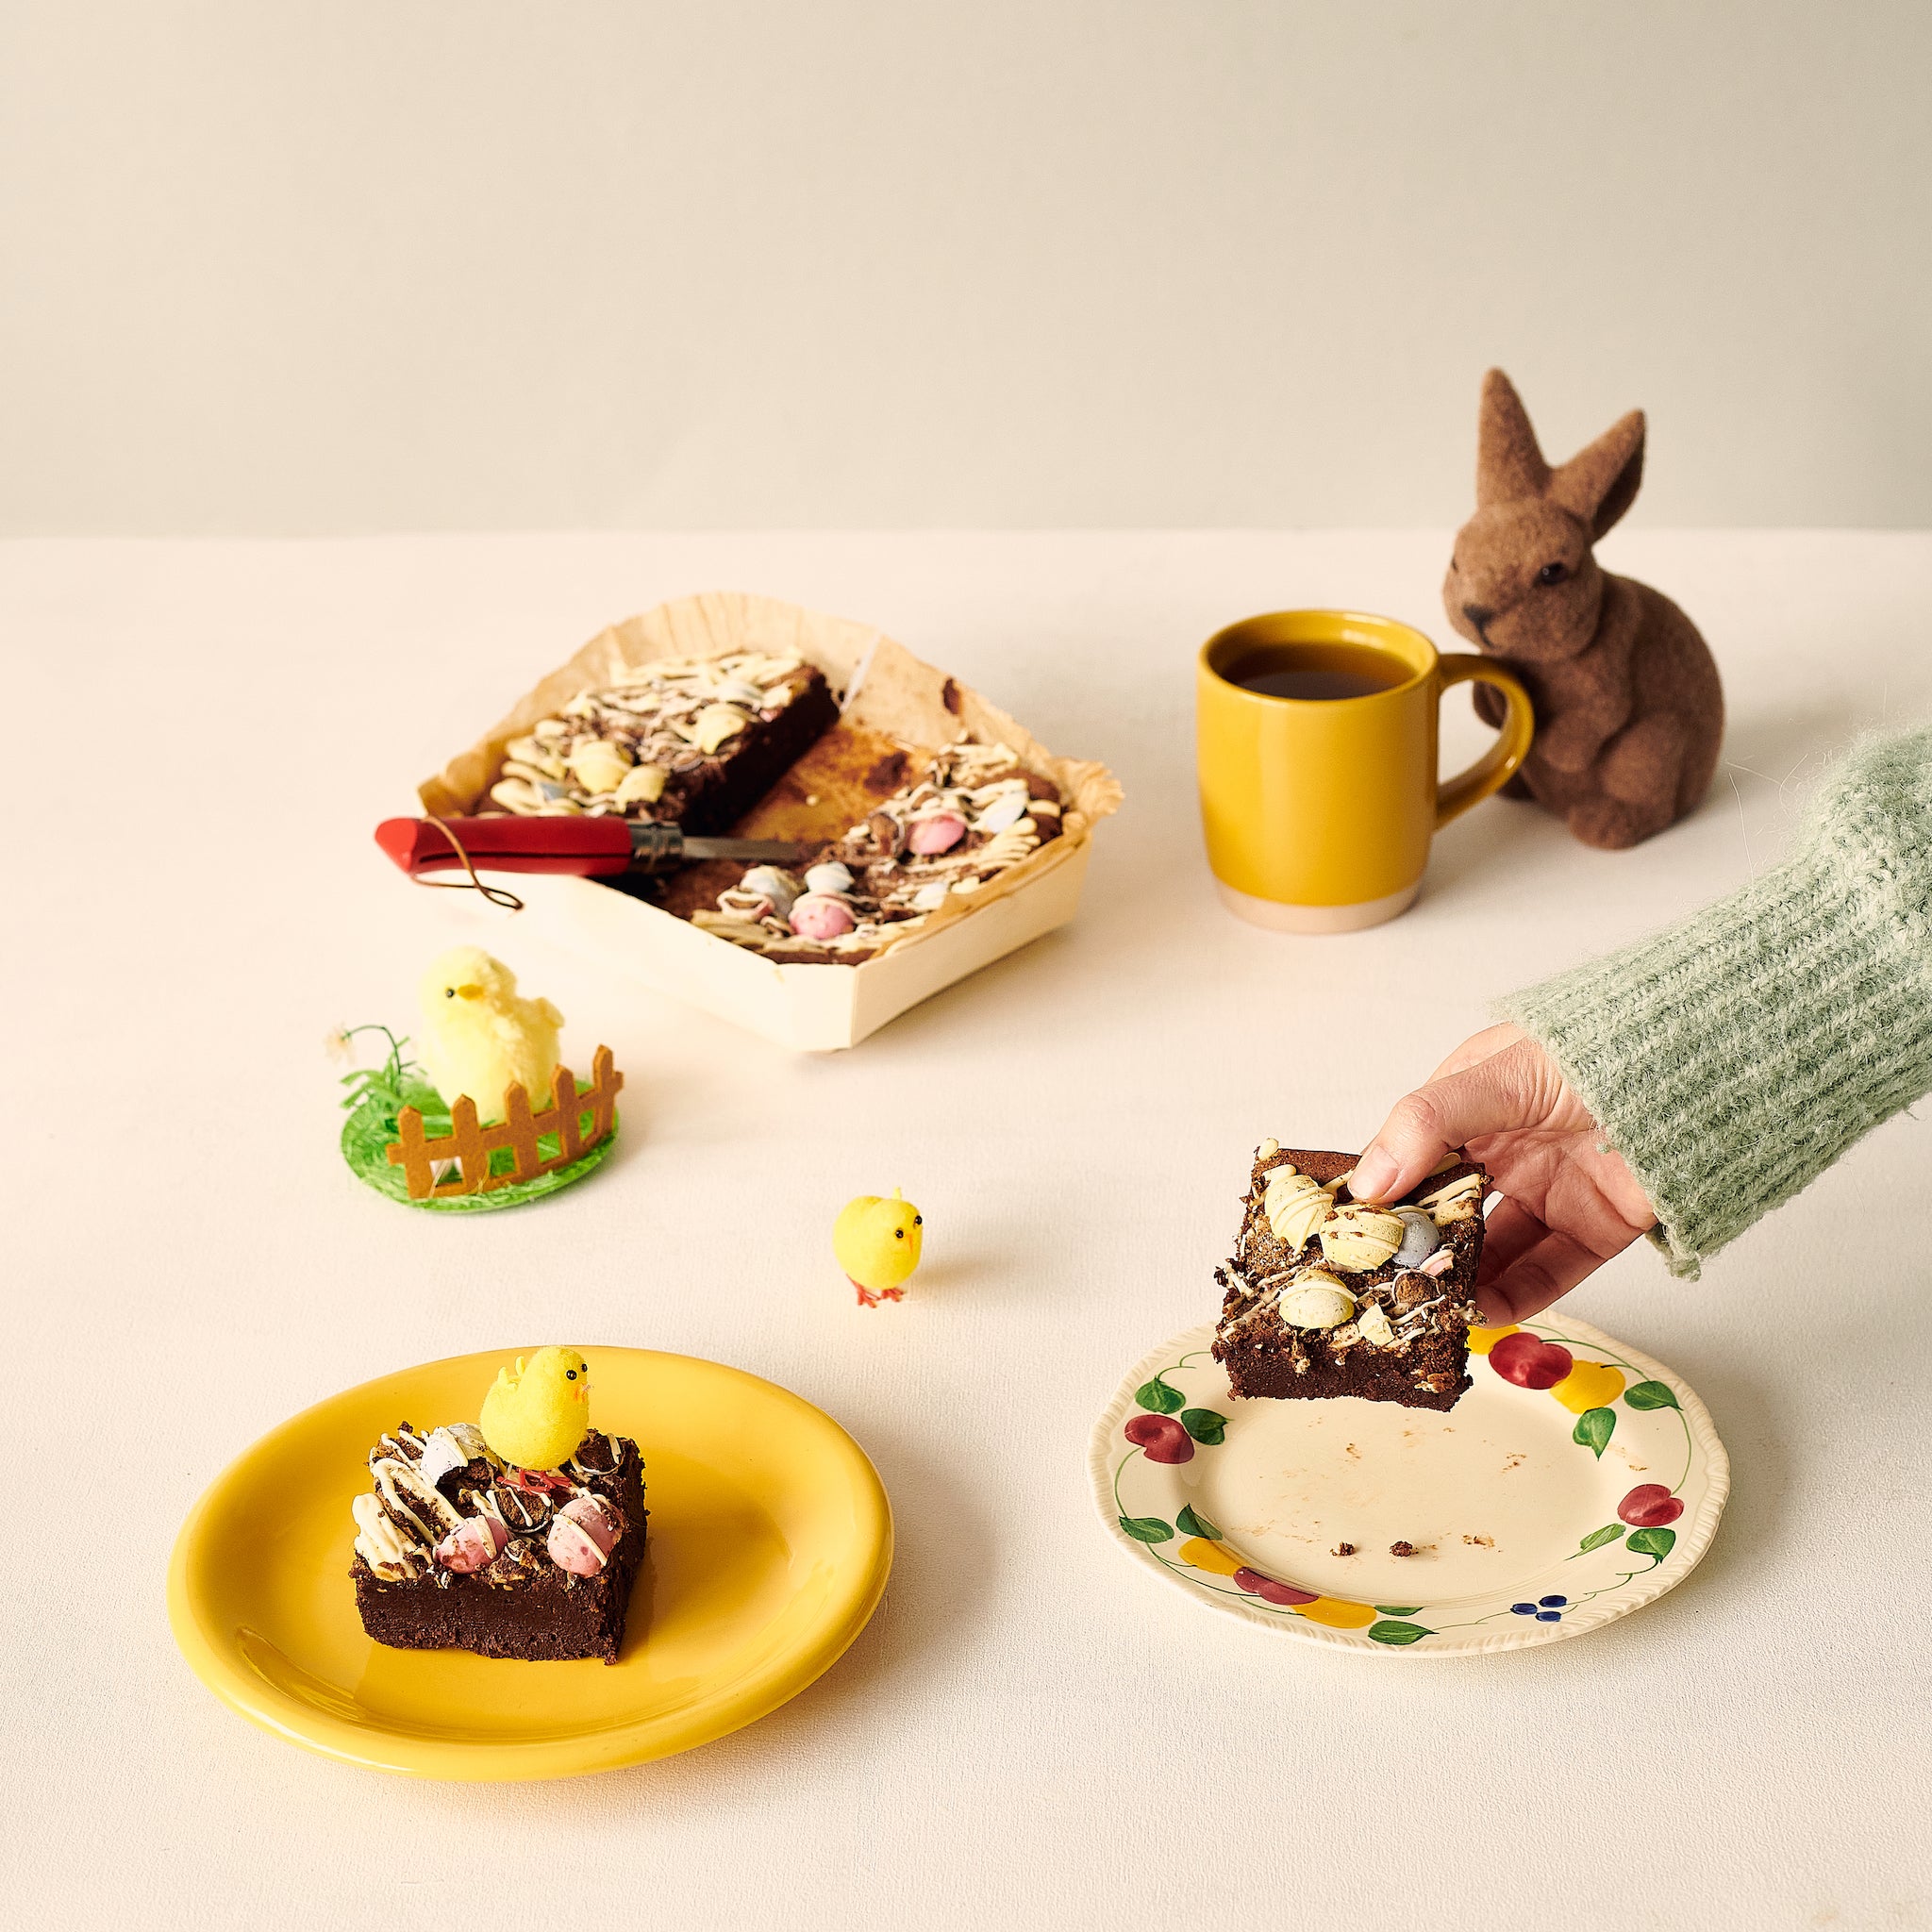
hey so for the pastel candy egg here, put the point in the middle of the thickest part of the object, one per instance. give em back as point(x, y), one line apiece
point(1421, 1237)
point(777, 886)
point(582, 1536)
point(817, 916)
point(442, 1453)
point(1317, 1303)
point(472, 1544)
point(596, 1518)
point(938, 833)
point(829, 877)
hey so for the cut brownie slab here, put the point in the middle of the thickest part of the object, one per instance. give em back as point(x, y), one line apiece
point(456, 1552)
point(695, 741)
point(939, 827)
point(1325, 1296)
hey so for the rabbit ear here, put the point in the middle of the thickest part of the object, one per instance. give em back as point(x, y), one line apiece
point(1509, 465)
point(1599, 483)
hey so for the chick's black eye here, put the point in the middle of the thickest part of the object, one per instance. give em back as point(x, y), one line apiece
point(1551, 573)
point(569, 1374)
point(898, 1234)
point(919, 1221)
point(449, 992)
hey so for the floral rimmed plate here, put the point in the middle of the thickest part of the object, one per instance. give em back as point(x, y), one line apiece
point(1576, 1481)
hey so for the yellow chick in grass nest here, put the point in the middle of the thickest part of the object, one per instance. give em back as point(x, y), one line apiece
point(535, 1417)
point(481, 1037)
point(876, 1243)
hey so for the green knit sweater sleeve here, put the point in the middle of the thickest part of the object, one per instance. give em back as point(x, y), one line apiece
point(1732, 1058)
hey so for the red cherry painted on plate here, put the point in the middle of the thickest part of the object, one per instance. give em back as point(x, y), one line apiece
point(1161, 1438)
point(1249, 1581)
point(1272, 1592)
point(1650, 1506)
point(1530, 1362)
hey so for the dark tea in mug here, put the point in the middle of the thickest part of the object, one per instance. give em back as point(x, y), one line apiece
point(1318, 670)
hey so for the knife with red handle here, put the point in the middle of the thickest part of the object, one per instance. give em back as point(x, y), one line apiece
point(590, 848)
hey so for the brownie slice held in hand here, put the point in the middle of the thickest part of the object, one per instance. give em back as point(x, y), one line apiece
point(1326, 1295)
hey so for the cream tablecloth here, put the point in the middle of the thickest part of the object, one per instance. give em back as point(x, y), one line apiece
point(200, 738)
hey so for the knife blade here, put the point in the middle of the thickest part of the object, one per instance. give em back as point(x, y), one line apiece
point(590, 848)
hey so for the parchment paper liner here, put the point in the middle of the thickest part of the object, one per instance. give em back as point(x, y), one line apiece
point(883, 686)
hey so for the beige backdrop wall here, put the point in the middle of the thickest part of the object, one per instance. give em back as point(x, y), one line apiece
point(408, 264)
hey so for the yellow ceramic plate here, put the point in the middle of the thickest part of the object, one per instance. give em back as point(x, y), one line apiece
point(770, 1540)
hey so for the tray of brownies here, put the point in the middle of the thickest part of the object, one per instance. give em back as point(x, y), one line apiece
point(926, 832)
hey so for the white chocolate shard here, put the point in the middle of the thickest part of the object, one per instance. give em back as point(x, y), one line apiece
point(642, 785)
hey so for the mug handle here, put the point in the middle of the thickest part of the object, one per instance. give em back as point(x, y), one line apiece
point(1497, 765)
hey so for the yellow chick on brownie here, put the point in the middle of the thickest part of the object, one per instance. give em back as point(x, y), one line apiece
point(534, 1417)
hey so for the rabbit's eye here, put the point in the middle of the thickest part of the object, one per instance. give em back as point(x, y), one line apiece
point(1551, 573)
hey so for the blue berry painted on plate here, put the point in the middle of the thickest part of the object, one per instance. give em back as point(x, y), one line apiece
point(1553, 1602)
point(1523, 1610)
point(1549, 1616)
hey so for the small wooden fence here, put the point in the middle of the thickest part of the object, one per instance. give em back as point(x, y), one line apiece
point(471, 1144)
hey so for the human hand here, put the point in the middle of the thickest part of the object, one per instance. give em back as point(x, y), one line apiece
point(1565, 1209)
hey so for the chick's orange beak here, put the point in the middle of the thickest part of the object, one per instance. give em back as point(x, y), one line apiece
point(469, 993)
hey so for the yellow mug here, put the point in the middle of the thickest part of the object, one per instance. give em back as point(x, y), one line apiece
point(1319, 810)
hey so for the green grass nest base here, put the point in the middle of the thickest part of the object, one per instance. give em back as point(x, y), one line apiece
point(370, 1129)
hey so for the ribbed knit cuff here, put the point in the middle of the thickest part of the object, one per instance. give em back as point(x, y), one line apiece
point(1734, 1058)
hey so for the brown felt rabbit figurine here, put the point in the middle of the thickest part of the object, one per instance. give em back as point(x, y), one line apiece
point(1629, 713)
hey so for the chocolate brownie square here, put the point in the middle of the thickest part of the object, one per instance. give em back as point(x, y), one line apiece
point(1325, 1296)
point(524, 1601)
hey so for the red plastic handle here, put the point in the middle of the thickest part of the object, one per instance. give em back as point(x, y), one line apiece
point(590, 847)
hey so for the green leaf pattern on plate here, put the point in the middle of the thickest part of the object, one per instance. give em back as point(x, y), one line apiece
point(1594, 1430)
point(1389, 1632)
point(1651, 1395)
point(1158, 1396)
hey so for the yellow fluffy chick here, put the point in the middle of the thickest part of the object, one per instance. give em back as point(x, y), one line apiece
point(479, 1038)
point(876, 1243)
point(535, 1417)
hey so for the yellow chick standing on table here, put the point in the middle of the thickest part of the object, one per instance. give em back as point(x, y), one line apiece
point(481, 1037)
point(535, 1417)
point(876, 1241)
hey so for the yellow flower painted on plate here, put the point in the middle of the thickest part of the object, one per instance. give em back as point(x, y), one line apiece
point(1482, 1340)
point(1203, 1555)
point(1338, 1614)
point(1589, 1385)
